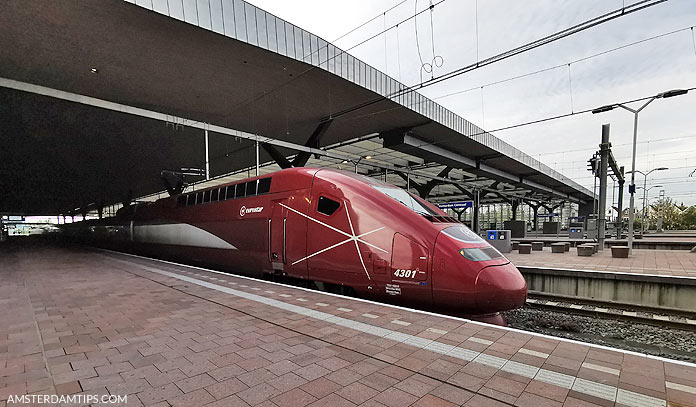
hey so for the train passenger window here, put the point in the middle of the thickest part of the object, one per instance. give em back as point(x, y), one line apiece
point(327, 206)
point(199, 198)
point(206, 196)
point(190, 199)
point(264, 186)
point(214, 194)
point(251, 188)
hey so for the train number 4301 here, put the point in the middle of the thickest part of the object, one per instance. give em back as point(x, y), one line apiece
point(405, 273)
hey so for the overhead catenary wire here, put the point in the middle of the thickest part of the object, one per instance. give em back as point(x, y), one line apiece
point(648, 155)
point(612, 15)
point(477, 29)
point(528, 123)
point(437, 60)
point(398, 51)
point(551, 68)
point(543, 119)
point(616, 145)
point(570, 88)
point(369, 21)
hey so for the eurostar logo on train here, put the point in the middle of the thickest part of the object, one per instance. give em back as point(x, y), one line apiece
point(244, 210)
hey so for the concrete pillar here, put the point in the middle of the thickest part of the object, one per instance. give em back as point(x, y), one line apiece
point(476, 206)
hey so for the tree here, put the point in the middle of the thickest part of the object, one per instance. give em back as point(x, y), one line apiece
point(689, 217)
point(672, 216)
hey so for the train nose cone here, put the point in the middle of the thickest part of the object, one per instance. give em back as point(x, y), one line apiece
point(500, 288)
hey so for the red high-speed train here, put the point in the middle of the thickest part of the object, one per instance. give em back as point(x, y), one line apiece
point(343, 231)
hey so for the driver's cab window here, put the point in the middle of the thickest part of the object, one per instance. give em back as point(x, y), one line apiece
point(327, 206)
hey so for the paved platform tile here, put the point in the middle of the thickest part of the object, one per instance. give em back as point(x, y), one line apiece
point(212, 338)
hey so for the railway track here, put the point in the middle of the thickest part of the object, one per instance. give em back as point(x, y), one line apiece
point(666, 333)
point(668, 318)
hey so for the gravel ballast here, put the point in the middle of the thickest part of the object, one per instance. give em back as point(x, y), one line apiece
point(653, 340)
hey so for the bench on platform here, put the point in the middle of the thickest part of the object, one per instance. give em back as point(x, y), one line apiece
point(619, 252)
point(525, 248)
point(558, 247)
point(585, 250)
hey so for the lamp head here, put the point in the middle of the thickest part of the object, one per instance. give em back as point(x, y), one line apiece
point(672, 93)
point(603, 109)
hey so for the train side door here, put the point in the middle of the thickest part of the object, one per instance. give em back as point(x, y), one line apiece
point(277, 231)
point(410, 277)
point(287, 233)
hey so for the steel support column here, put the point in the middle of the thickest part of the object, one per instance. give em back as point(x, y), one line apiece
point(207, 155)
point(619, 209)
point(257, 157)
point(476, 207)
point(603, 165)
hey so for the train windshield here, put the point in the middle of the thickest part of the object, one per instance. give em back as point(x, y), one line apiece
point(406, 199)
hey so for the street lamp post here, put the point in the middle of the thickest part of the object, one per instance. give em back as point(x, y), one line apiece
point(632, 185)
point(645, 198)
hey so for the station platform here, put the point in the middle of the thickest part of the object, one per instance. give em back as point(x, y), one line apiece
point(674, 263)
point(652, 242)
point(79, 321)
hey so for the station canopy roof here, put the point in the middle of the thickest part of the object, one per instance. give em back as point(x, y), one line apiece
point(80, 83)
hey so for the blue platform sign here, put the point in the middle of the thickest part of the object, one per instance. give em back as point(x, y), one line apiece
point(492, 235)
point(456, 205)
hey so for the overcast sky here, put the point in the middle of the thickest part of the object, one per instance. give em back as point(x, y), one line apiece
point(667, 130)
